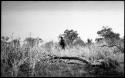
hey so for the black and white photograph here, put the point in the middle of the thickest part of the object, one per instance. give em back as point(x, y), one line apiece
point(62, 38)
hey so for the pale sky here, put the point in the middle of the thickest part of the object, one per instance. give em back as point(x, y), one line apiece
point(48, 19)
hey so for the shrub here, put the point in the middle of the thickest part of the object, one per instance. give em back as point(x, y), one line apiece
point(69, 36)
point(79, 42)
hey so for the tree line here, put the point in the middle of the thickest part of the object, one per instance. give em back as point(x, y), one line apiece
point(71, 38)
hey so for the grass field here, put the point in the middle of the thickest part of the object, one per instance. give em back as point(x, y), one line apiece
point(39, 61)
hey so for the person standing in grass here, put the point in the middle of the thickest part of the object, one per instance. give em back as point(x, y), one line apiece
point(62, 43)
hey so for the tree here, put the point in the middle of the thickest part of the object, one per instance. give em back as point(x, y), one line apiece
point(79, 41)
point(108, 35)
point(69, 36)
point(107, 32)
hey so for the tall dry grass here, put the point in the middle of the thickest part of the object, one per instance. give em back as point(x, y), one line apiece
point(25, 59)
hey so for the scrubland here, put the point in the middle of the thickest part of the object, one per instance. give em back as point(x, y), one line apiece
point(40, 61)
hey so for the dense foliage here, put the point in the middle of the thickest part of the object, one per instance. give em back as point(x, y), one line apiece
point(69, 36)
